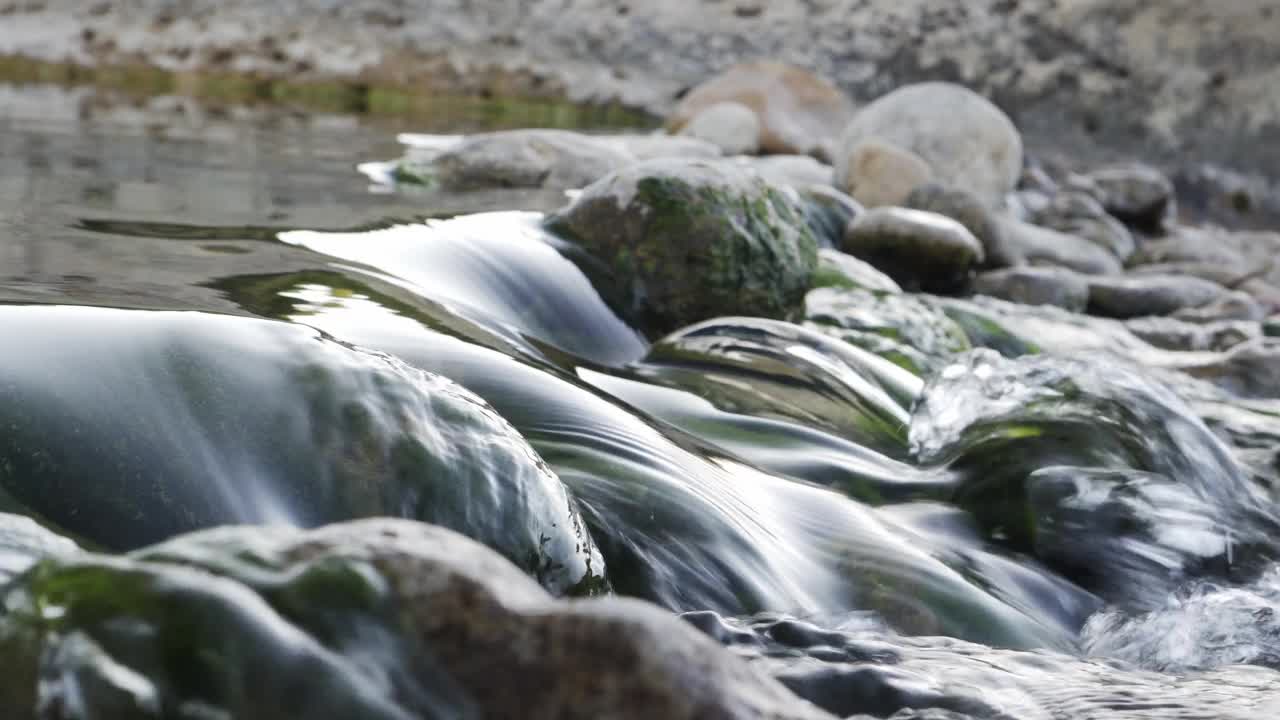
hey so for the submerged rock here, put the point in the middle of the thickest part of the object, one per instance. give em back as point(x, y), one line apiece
point(965, 140)
point(852, 667)
point(900, 328)
point(730, 126)
point(799, 113)
point(181, 421)
point(23, 542)
point(1174, 334)
point(920, 250)
point(681, 241)
point(1131, 465)
point(525, 158)
point(376, 619)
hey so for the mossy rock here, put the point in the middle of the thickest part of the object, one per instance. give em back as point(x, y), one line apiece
point(673, 242)
point(379, 619)
point(182, 421)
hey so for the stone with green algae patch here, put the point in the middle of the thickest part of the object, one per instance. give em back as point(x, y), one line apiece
point(672, 242)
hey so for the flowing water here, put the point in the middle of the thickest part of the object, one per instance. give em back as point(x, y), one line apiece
point(1053, 535)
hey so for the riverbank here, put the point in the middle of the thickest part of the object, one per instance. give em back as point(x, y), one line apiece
point(1177, 81)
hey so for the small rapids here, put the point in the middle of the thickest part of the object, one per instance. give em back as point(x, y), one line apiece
point(1029, 536)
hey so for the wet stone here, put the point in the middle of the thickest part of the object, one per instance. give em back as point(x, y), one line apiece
point(920, 250)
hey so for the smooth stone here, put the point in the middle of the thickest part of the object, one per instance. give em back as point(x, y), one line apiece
point(1036, 286)
point(1271, 326)
point(672, 242)
point(660, 145)
point(841, 270)
point(730, 126)
point(1171, 333)
point(906, 320)
point(799, 112)
point(1042, 246)
point(1192, 245)
point(880, 174)
point(1224, 275)
point(526, 158)
point(1140, 295)
point(919, 250)
point(795, 170)
point(1266, 293)
point(966, 140)
point(1232, 305)
point(379, 619)
point(1137, 194)
point(1250, 369)
point(967, 209)
point(1076, 213)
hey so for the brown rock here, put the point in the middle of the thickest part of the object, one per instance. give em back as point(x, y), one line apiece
point(800, 113)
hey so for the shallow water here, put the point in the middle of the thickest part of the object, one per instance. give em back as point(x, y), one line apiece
point(741, 466)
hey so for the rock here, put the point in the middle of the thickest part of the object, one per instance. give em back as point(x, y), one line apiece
point(730, 126)
point(841, 270)
point(1192, 245)
point(1042, 246)
point(1271, 326)
point(796, 170)
point(380, 619)
point(1137, 194)
point(917, 249)
point(1036, 286)
point(1225, 275)
point(799, 112)
point(901, 328)
point(1231, 305)
point(1078, 214)
point(967, 209)
point(1137, 296)
point(1250, 369)
point(1265, 293)
point(182, 421)
point(660, 145)
point(23, 543)
point(966, 141)
point(828, 211)
point(526, 158)
point(1171, 333)
point(682, 241)
point(877, 173)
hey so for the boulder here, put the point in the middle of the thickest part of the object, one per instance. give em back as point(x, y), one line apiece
point(877, 173)
point(730, 126)
point(379, 619)
point(902, 328)
point(673, 242)
point(799, 112)
point(1138, 296)
point(1137, 194)
point(182, 421)
point(1036, 286)
point(966, 141)
point(967, 209)
point(1042, 246)
point(526, 159)
point(920, 250)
